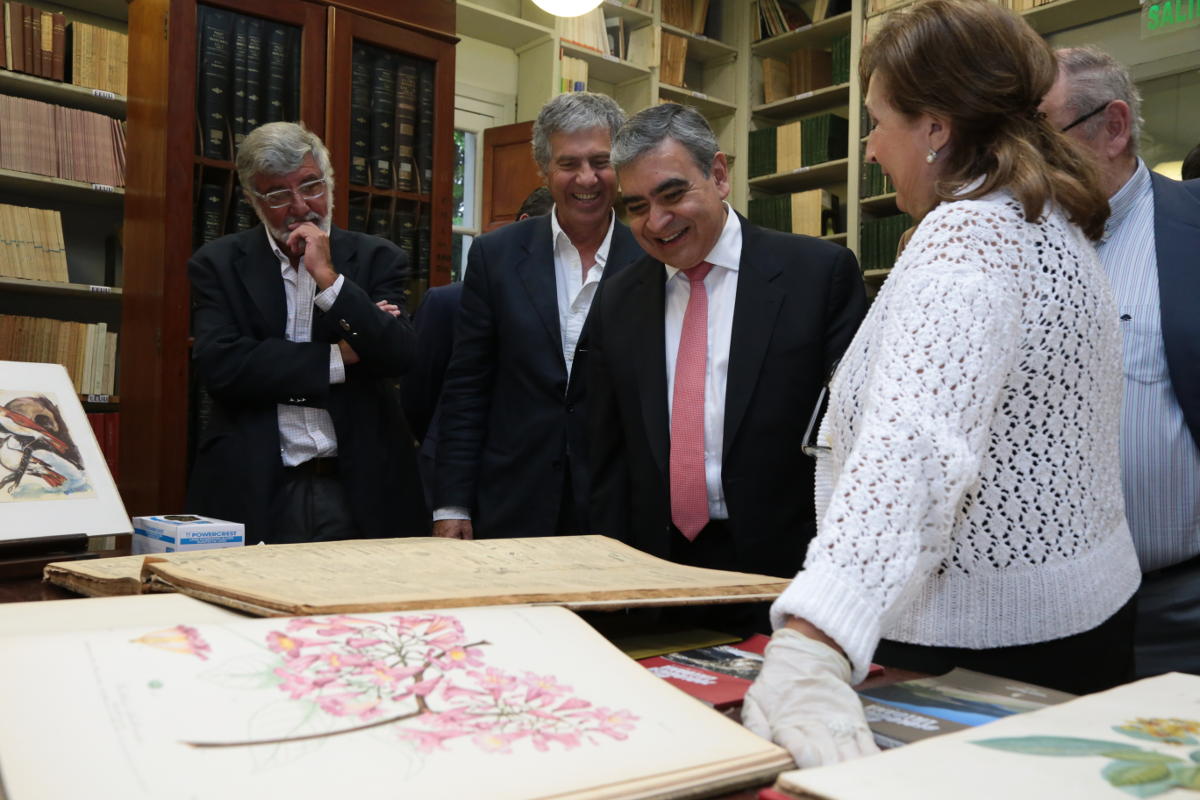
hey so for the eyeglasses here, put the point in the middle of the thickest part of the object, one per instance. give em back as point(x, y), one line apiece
point(808, 445)
point(1088, 115)
point(279, 198)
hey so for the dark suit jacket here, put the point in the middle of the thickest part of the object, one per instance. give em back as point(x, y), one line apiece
point(510, 421)
point(799, 302)
point(423, 383)
point(248, 366)
point(1176, 242)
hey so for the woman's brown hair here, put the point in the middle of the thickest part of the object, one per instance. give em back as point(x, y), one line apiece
point(985, 70)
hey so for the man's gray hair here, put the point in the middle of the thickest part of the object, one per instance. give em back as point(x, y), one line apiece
point(1095, 78)
point(569, 113)
point(652, 126)
point(278, 148)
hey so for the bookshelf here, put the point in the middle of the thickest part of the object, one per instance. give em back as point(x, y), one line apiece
point(62, 262)
point(863, 208)
point(709, 76)
point(182, 188)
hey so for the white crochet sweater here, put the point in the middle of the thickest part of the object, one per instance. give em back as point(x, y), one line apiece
point(972, 496)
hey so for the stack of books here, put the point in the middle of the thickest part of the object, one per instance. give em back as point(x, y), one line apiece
point(31, 244)
point(61, 142)
point(99, 58)
point(874, 182)
point(880, 238)
point(812, 213)
point(87, 350)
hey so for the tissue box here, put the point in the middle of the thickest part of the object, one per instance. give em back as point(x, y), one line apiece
point(173, 533)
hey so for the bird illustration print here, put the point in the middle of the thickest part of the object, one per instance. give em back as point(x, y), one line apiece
point(34, 444)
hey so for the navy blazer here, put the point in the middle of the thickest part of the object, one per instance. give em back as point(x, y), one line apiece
point(510, 422)
point(1176, 244)
point(799, 302)
point(243, 359)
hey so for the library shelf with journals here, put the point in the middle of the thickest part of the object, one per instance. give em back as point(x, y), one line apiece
point(62, 173)
point(519, 702)
point(48, 45)
point(183, 187)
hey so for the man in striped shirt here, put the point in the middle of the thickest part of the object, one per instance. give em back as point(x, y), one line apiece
point(1149, 250)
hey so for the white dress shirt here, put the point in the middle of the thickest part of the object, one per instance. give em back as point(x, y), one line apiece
point(575, 287)
point(306, 433)
point(1160, 463)
point(721, 285)
point(574, 293)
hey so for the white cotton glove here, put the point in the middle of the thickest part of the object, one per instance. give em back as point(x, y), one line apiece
point(802, 701)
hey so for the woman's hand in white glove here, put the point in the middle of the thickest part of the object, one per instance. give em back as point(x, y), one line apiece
point(802, 701)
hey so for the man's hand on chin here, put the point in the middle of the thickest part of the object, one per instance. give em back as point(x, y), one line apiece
point(308, 240)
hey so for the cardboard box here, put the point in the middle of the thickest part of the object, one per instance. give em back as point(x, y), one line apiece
point(173, 533)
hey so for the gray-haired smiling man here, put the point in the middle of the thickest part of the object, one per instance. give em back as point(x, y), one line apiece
point(512, 452)
point(707, 357)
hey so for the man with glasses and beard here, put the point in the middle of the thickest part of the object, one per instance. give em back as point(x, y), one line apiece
point(296, 329)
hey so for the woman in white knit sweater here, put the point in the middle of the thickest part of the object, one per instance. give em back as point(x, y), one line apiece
point(968, 486)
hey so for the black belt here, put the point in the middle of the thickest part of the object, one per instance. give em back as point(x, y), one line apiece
point(314, 467)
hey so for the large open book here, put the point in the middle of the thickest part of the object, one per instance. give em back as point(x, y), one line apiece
point(592, 572)
point(512, 702)
point(1138, 740)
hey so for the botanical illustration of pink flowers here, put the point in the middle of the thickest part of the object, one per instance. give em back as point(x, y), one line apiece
point(182, 639)
point(421, 671)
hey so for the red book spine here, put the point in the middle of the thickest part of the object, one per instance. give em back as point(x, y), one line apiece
point(112, 437)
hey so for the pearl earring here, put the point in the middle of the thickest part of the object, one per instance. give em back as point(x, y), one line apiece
point(931, 156)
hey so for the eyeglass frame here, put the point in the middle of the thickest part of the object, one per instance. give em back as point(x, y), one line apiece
point(1089, 115)
point(298, 191)
point(808, 445)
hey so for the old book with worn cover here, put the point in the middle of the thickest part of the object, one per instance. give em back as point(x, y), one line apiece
point(592, 572)
point(1137, 740)
point(507, 703)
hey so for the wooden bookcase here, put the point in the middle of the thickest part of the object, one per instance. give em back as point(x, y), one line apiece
point(846, 177)
point(165, 176)
point(92, 214)
point(714, 69)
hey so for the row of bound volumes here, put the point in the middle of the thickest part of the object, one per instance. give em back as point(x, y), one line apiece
point(776, 17)
point(806, 71)
point(107, 427)
point(406, 224)
point(812, 213)
point(672, 59)
point(880, 238)
point(249, 74)
point(99, 58)
point(803, 143)
point(574, 75)
point(586, 30)
point(874, 182)
point(690, 15)
point(34, 41)
point(391, 120)
point(61, 142)
point(42, 43)
point(31, 244)
point(221, 208)
point(87, 350)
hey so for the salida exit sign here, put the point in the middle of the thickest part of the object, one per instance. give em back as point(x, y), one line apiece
point(1169, 16)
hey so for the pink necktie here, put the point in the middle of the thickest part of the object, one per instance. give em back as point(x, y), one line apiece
point(689, 490)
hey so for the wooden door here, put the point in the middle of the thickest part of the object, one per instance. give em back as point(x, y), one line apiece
point(509, 173)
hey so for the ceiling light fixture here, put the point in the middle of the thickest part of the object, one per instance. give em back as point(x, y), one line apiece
point(566, 8)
